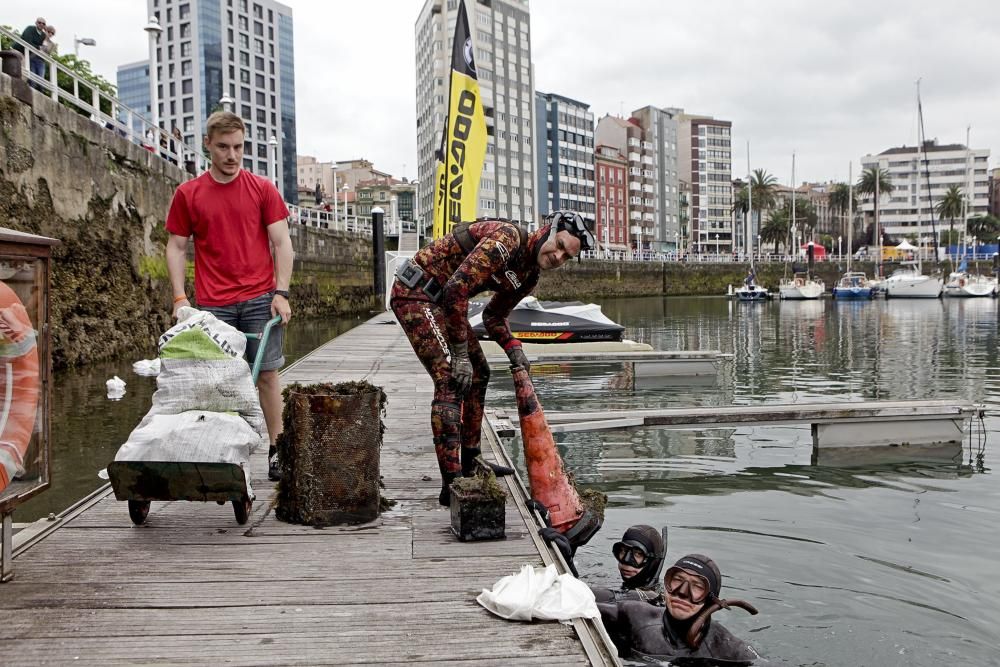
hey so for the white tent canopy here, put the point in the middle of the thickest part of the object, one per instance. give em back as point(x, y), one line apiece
point(906, 245)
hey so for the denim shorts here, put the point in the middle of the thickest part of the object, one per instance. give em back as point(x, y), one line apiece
point(250, 317)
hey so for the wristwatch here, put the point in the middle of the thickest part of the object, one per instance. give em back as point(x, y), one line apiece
point(281, 292)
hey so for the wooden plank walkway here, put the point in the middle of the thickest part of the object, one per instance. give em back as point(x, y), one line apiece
point(193, 587)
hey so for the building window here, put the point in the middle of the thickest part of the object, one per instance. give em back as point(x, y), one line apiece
point(245, 94)
point(244, 23)
point(185, 30)
point(188, 105)
point(185, 68)
point(245, 76)
point(244, 59)
point(187, 87)
point(244, 41)
point(183, 11)
point(261, 99)
point(258, 63)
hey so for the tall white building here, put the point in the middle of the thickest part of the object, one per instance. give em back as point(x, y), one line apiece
point(501, 37)
point(906, 210)
point(706, 162)
point(243, 49)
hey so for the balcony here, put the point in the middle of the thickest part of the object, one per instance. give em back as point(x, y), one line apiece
point(633, 157)
point(635, 215)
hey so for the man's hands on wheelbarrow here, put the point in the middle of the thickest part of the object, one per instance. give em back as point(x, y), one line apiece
point(280, 306)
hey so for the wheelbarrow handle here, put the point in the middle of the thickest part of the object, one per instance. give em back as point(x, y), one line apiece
point(263, 336)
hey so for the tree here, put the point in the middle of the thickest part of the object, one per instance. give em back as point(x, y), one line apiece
point(777, 228)
point(951, 206)
point(984, 228)
point(871, 179)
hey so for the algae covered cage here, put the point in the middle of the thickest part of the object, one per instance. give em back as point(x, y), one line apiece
point(329, 453)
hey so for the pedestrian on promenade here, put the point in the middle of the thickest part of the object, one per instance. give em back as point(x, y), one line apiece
point(683, 628)
point(49, 46)
point(34, 35)
point(430, 298)
point(235, 218)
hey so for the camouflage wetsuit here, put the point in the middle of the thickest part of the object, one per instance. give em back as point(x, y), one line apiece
point(500, 262)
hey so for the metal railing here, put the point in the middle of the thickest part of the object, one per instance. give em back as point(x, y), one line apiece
point(322, 219)
point(103, 108)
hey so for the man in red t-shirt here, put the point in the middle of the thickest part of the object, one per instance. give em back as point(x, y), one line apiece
point(235, 217)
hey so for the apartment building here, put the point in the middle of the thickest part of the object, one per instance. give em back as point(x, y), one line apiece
point(311, 172)
point(231, 53)
point(906, 210)
point(827, 222)
point(611, 229)
point(660, 177)
point(564, 167)
point(501, 43)
point(705, 163)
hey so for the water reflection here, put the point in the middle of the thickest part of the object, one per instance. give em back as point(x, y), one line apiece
point(851, 560)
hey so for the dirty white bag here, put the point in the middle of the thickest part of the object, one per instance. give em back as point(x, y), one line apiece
point(544, 595)
point(147, 367)
point(116, 388)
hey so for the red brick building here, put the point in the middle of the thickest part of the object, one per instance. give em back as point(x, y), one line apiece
point(612, 208)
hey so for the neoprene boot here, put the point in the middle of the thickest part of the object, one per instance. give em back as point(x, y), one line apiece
point(446, 479)
point(469, 455)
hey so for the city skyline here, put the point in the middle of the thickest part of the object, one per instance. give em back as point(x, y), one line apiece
point(788, 77)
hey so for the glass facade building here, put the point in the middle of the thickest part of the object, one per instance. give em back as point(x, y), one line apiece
point(133, 90)
point(241, 49)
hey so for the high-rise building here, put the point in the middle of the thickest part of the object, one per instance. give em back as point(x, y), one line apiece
point(241, 49)
point(564, 167)
point(133, 90)
point(705, 157)
point(659, 171)
point(906, 209)
point(612, 209)
point(501, 42)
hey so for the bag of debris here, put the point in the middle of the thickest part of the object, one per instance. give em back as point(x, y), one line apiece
point(202, 368)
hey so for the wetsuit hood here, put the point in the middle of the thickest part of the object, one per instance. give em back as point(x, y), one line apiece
point(700, 566)
point(650, 540)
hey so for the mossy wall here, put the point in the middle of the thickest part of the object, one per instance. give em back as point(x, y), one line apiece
point(106, 199)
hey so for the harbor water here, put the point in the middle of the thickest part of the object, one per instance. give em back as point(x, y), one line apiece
point(872, 563)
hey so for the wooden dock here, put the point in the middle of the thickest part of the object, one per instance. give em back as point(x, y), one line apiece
point(193, 587)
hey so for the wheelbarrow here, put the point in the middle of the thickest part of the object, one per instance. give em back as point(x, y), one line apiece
point(141, 482)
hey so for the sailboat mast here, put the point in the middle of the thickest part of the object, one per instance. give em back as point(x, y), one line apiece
point(795, 249)
point(750, 208)
point(965, 199)
point(927, 174)
point(850, 211)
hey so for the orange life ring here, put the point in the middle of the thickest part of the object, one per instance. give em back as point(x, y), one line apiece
point(19, 384)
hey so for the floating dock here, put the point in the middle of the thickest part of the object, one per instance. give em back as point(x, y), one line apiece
point(193, 587)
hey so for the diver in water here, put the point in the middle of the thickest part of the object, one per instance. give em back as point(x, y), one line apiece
point(640, 556)
point(682, 632)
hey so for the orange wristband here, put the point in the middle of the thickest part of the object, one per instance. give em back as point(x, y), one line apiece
point(182, 297)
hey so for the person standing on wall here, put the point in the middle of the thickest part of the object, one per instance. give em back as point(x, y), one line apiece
point(235, 217)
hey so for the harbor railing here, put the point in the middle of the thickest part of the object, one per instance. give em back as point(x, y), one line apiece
point(67, 87)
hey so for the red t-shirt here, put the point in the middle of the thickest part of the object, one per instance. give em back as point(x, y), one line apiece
point(232, 252)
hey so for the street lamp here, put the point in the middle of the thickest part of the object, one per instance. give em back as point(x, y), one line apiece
point(335, 202)
point(273, 143)
point(227, 103)
point(717, 247)
point(840, 249)
point(86, 41)
point(760, 249)
point(345, 189)
point(153, 29)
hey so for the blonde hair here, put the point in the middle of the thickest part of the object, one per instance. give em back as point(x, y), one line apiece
point(223, 122)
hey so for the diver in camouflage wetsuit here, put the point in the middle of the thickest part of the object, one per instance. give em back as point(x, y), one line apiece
point(430, 298)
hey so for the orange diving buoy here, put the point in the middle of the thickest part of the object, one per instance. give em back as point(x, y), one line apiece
point(18, 384)
point(549, 484)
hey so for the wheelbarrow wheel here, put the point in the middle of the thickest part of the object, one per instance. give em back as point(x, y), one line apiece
point(138, 510)
point(241, 508)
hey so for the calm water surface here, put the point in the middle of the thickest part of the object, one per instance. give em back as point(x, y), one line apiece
point(88, 429)
point(872, 564)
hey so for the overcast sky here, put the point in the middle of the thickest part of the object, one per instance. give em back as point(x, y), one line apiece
point(830, 81)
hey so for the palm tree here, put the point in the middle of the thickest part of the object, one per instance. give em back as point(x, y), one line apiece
point(984, 227)
point(871, 179)
point(951, 206)
point(840, 202)
point(777, 228)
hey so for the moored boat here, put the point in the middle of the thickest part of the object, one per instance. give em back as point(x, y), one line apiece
point(854, 285)
point(537, 321)
point(801, 286)
point(909, 283)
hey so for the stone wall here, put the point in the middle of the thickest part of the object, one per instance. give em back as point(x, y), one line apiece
point(105, 198)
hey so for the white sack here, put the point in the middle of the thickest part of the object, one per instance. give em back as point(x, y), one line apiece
point(194, 436)
point(147, 367)
point(542, 595)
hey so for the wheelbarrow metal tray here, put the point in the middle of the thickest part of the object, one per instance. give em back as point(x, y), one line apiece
point(172, 480)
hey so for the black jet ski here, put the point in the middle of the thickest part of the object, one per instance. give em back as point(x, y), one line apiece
point(534, 321)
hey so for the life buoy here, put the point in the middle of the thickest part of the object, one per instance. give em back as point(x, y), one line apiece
point(19, 383)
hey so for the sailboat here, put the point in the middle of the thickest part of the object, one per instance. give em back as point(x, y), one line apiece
point(801, 285)
point(961, 283)
point(853, 284)
point(909, 281)
point(750, 290)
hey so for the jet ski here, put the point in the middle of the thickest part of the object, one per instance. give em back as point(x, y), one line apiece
point(534, 321)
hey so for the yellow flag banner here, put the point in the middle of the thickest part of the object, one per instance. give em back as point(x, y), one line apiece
point(463, 141)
